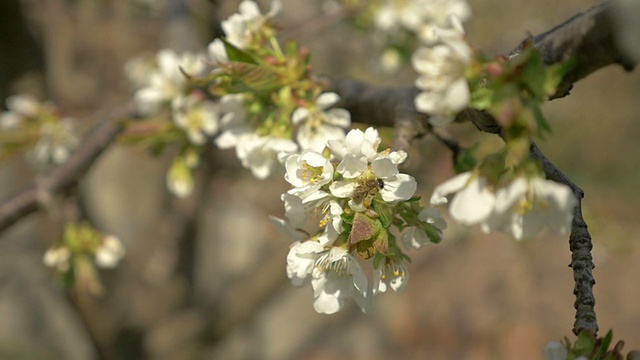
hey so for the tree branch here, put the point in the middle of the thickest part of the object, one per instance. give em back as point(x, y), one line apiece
point(65, 177)
point(591, 39)
point(580, 246)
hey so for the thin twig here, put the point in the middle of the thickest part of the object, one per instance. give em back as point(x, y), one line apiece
point(65, 177)
point(580, 246)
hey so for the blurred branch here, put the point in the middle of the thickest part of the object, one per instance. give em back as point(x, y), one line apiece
point(64, 178)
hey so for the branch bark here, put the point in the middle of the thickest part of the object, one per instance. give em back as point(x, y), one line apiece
point(65, 177)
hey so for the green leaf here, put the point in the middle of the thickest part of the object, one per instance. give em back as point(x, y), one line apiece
point(604, 345)
point(254, 77)
point(238, 55)
point(466, 160)
point(434, 235)
point(585, 343)
point(385, 211)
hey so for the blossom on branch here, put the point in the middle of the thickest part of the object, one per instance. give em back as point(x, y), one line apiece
point(348, 199)
point(521, 208)
point(525, 206)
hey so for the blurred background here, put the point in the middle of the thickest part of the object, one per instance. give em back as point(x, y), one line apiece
point(204, 277)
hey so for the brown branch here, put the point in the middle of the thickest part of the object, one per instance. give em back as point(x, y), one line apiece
point(589, 39)
point(65, 177)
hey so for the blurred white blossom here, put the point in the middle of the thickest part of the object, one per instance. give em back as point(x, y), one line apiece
point(525, 206)
point(167, 81)
point(521, 208)
point(441, 68)
point(196, 116)
point(56, 142)
point(318, 123)
point(110, 252)
point(58, 258)
point(241, 27)
point(262, 154)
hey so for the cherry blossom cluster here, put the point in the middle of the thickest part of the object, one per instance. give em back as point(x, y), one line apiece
point(30, 124)
point(80, 250)
point(341, 210)
point(246, 93)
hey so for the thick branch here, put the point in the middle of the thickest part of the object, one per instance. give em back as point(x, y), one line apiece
point(590, 39)
point(391, 107)
point(65, 177)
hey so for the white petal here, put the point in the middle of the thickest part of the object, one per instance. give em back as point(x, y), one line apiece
point(414, 238)
point(342, 189)
point(399, 188)
point(474, 203)
point(327, 99)
point(450, 186)
point(339, 117)
point(352, 166)
point(384, 167)
point(299, 115)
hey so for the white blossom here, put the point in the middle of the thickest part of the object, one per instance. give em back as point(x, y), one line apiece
point(233, 123)
point(416, 237)
point(180, 180)
point(415, 15)
point(317, 124)
point(307, 172)
point(301, 260)
point(20, 108)
point(56, 142)
point(286, 228)
point(262, 154)
point(473, 201)
point(337, 277)
point(168, 81)
point(197, 117)
point(365, 180)
point(139, 70)
point(555, 350)
point(445, 90)
point(58, 258)
point(110, 252)
point(319, 205)
point(240, 28)
point(391, 273)
point(525, 206)
point(357, 143)
point(217, 52)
